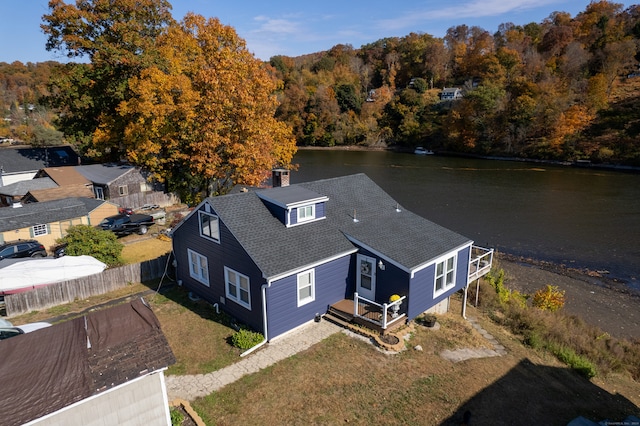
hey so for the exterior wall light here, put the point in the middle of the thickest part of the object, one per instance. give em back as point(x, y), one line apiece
point(381, 265)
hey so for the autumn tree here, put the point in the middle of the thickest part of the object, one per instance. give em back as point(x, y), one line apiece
point(206, 116)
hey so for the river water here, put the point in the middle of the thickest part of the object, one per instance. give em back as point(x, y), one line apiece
point(580, 217)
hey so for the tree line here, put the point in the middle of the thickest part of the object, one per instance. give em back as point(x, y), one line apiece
point(541, 90)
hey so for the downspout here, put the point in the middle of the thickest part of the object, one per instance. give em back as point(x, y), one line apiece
point(466, 287)
point(464, 302)
point(264, 323)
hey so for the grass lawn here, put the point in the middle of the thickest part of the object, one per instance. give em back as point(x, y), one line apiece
point(344, 380)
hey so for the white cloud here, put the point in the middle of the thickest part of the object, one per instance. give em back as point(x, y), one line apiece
point(469, 9)
point(276, 26)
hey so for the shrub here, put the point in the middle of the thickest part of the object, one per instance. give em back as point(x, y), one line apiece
point(579, 363)
point(246, 339)
point(87, 240)
point(176, 417)
point(549, 298)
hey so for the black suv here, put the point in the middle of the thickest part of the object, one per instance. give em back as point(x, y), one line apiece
point(22, 248)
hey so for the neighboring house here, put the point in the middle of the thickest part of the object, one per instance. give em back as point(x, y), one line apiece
point(106, 368)
point(70, 184)
point(48, 221)
point(15, 192)
point(58, 193)
point(124, 185)
point(278, 258)
point(450, 94)
point(17, 164)
point(64, 176)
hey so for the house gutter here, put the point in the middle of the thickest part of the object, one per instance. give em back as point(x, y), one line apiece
point(264, 323)
point(466, 287)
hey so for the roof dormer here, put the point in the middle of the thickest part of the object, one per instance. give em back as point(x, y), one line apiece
point(294, 205)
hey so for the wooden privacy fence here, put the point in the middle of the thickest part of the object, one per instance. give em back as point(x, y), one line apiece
point(82, 288)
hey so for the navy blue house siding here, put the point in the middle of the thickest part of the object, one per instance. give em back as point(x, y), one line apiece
point(228, 253)
point(283, 312)
point(422, 287)
point(389, 281)
point(277, 211)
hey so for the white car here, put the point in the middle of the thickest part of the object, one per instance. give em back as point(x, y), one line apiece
point(9, 330)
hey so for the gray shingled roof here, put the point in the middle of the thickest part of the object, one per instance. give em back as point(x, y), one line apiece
point(403, 237)
point(24, 186)
point(46, 212)
point(103, 174)
point(14, 160)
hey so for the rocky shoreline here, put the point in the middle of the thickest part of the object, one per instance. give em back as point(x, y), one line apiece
point(601, 301)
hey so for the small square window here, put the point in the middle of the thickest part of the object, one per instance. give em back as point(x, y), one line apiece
point(306, 213)
point(123, 190)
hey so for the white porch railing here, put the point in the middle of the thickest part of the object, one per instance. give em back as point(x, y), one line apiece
point(481, 260)
point(382, 315)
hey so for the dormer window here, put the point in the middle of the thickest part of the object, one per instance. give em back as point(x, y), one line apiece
point(294, 205)
point(306, 213)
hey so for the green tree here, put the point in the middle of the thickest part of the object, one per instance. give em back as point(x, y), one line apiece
point(90, 241)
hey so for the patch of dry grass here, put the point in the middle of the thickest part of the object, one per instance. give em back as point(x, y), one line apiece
point(146, 249)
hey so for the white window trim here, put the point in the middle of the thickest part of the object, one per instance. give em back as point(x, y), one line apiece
point(196, 270)
point(217, 222)
point(445, 287)
point(39, 230)
point(99, 193)
point(302, 302)
point(123, 190)
point(237, 298)
point(312, 216)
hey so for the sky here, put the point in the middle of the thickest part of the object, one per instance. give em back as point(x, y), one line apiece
point(295, 27)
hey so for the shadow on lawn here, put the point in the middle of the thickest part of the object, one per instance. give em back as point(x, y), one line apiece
point(541, 395)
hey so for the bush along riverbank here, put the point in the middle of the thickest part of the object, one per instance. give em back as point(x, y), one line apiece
point(542, 322)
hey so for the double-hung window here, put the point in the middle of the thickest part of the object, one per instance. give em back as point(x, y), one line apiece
point(306, 213)
point(445, 275)
point(209, 226)
point(237, 287)
point(198, 267)
point(306, 287)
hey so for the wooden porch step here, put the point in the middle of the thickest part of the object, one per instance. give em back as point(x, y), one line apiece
point(344, 316)
point(331, 317)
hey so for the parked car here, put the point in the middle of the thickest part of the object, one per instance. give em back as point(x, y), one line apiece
point(8, 330)
point(22, 248)
point(122, 224)
point(59, 250)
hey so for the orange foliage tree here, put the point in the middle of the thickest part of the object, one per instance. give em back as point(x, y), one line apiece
point(205, 119)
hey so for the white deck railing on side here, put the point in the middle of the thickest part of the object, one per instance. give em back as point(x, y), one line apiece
point(376, 313)
point(480, 265)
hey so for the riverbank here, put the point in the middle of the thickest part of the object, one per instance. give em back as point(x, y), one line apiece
point(600, 301)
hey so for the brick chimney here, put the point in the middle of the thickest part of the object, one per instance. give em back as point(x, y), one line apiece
point(279, 177)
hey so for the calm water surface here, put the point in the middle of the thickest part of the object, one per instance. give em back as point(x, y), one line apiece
point(581, 217)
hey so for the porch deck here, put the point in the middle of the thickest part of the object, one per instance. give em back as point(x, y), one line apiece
point(344, 311)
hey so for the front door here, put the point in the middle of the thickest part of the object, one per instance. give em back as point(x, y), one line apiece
point(366, 277)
